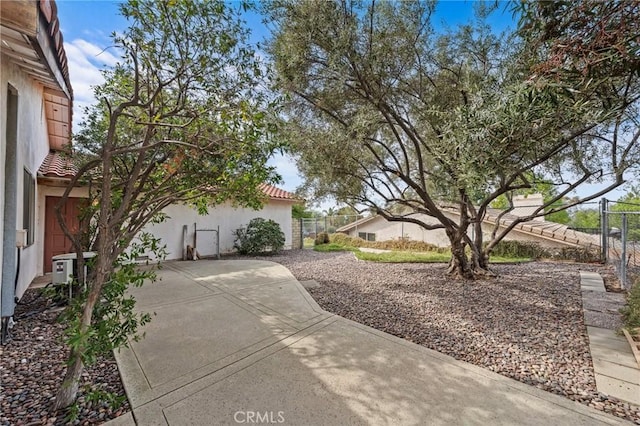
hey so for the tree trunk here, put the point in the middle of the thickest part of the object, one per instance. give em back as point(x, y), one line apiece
point(68, 390)
point(459, 265)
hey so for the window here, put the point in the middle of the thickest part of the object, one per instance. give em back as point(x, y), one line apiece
point(368, 236)
point(29, 205)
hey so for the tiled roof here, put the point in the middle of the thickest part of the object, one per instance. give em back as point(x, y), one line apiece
point(57, 164)
point(549, 230)
point(277, 193)
point(541, 229)
point(357, 223)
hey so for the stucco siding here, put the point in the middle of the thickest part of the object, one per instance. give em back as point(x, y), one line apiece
point(225, 216)
point(32, 148)
point(395, 230)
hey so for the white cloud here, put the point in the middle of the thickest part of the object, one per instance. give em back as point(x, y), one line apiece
point(100, 54)
point(85, 61)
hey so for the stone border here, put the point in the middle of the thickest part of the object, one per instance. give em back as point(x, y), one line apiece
point(635, 346)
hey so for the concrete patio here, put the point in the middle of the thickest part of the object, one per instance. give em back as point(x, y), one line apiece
point(241, 341)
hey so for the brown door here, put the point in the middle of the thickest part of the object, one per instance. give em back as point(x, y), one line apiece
point(55, 242)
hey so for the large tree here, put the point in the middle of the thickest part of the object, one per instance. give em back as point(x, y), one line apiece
point(181, 119)
point(385, 112)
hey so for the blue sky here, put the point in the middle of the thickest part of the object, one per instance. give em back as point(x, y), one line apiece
point(87, 26)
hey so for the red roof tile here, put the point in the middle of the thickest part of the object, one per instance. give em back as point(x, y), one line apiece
point(273, 192)
point(57, 164)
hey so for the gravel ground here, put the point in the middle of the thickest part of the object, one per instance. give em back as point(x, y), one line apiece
point(527, 324)
point(33, 366)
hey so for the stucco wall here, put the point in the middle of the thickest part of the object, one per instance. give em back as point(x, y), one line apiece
point(225, 216)
point(33, 146)
point(395, 230)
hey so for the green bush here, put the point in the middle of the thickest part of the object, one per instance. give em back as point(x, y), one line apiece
point(520, 249)
point(400, 244)
point(259, 236)
point(321, 238)
point(577, 254)
point(631, 311)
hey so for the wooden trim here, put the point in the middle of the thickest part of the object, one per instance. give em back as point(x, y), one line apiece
point(21, 16)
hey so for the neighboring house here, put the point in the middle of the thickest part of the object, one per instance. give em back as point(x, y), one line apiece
point(35, 115)
point(224, 217)
point(548, 234)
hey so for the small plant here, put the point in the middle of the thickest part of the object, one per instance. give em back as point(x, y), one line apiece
point(321, 238)
point(631, 311)
point(115, 320)
point(519, 249)
point(403, 244)
point(259, 236)
point(98, 397)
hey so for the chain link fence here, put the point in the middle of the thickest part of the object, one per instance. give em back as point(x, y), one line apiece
point(621, 239)
point(312, 226)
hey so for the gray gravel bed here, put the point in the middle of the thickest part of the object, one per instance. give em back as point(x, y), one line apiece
point(602, 309)
point(33, 365)
point(526, 324)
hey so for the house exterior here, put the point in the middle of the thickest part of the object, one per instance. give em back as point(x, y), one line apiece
point(36, 100)
point(201, 230)
point(547, 234)
point(35, 111)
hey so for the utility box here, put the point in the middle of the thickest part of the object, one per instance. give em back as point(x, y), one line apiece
point(62, 271)
point(65, 269)
point(21, 238)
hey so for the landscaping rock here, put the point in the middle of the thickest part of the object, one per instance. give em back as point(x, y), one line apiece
point(33, 366)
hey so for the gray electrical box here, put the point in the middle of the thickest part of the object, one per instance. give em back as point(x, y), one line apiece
point(62, 271)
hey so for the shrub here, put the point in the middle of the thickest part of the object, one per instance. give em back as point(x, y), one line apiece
point(259, 236)
point(400, 244)
point(631, 311)
point(520, 249)
point(578, 254)
point(321, 238)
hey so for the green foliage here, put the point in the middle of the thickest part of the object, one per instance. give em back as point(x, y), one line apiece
point(533, 250)
point(114, 318)
point(332, 247)
point(629, 203)
point(404, 257)
point(631, 311)
point(321, 238)
point(520, 249)
point(182, 118)
point(385, 112)
point(72, 413)
point(400, 244)
point(577, 254)
point(299, 211)
point(259, 236)
point(585, 218)
point(100, 397)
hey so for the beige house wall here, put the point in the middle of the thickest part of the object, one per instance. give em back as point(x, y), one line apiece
point(33, 146)
point(227, 217)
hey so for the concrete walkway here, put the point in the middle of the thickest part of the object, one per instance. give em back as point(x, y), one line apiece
point(236, 342)
point(616, 369)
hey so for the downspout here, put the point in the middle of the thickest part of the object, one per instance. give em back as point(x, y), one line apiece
point(8, 292)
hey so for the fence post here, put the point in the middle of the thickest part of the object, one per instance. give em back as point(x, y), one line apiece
point(623, 252)
point(604, 224)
